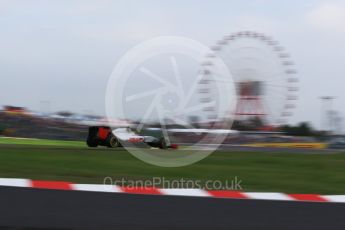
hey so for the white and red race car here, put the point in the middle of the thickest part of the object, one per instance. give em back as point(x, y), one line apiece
point(105, 136)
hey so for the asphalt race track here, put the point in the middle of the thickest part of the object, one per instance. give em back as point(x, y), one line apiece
point(25, 208)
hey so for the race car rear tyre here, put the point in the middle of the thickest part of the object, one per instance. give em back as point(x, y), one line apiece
point(112, 142)
point(91, 142)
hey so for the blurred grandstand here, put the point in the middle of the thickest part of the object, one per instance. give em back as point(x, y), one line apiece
point(19, 122)
point(23, 123)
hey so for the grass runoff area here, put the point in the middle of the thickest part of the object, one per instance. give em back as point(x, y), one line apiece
point(322, 173)
point(40, 142)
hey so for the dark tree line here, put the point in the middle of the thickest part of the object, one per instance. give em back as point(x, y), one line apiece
point(256, 124)
point(302, 129)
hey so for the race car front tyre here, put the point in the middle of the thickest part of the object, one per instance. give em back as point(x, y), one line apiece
point(112, 142)
point(162, 143)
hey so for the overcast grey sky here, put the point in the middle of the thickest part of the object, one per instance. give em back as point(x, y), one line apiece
point(64, 51)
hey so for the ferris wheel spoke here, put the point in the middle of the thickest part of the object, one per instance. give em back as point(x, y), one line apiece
point(219, 79)
point(274, 80)
point(278, 91)
point(282, 98)
point(275, 100)
point(275, 92)
point(275, 75)
point(276, 108)
point(279, 86)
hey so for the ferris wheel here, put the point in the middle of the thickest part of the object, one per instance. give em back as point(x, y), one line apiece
point(263, 74)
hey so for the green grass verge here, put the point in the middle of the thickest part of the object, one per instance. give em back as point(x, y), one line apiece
point(258, 171)
point(40, 142)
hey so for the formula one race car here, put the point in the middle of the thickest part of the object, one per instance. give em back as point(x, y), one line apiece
point(104, 136)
